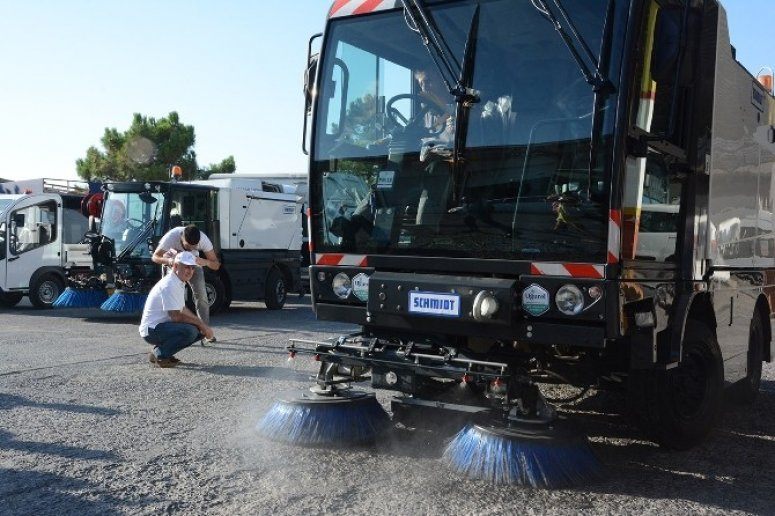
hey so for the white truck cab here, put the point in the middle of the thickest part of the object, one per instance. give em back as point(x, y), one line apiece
point(39, 234)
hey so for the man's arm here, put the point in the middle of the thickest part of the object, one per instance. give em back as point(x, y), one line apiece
point(210, 260)
point(185, 315)
point(159, 258)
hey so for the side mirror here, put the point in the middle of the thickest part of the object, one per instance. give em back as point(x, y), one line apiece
point(310, 73)
point(18, 219)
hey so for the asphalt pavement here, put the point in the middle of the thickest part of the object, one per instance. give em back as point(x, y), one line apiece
point(88, 426)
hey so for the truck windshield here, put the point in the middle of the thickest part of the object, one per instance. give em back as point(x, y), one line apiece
point(126, 216)
point(384, 175)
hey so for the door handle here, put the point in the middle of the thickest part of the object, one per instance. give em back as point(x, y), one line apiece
point(13, 258)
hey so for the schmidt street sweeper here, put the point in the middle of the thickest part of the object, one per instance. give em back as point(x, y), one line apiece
point(254, 224)
point(511, 193)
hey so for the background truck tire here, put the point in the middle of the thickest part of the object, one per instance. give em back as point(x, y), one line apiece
point(680, 406)
point(10, 299)
point(747, 389)
point(45, 290)
point(216, 295)
point(275, 291)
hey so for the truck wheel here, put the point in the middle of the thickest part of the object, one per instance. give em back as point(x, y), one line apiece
point(747, 389)
point(46, 290)
point(275, 292)
point(216, 293)
point(679, 407)
point(10, 299)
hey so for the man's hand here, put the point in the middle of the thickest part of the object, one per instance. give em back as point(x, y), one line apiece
point(207, 332)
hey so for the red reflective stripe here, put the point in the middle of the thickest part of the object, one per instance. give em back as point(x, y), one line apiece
point(330, 259)
point(582, 270)
point(616, 216)
point(612, 258)
point(337, 5)
point(535, 271)
point(367, 6)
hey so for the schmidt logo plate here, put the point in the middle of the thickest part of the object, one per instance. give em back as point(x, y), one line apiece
point(535, 300)
point(428, 303)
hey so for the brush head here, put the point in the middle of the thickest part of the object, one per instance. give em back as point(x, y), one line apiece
point(540, 454)
point(77, 298)
point(124, 302)
point(308, 419)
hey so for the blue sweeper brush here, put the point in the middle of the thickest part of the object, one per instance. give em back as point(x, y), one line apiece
point(537, 454)
point(345, 417)
point(124, 302)
point(80, 298)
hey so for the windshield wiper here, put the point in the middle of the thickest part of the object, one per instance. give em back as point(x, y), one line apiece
point(595, 78)
point(442, 56)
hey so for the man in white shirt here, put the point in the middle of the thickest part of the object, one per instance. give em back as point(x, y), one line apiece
point(189, 238)
point(166, 323)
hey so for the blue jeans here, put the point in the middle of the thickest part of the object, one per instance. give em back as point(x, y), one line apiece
point(170, 337)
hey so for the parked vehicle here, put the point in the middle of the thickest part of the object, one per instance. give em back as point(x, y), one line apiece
point(254, 224)
point(39, 234)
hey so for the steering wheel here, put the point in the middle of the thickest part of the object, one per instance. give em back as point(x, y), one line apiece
point(398, 118)
point(135, 223)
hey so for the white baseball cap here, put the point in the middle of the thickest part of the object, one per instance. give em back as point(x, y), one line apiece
point(186, 258)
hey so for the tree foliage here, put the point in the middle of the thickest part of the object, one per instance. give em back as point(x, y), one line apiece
point(145, 152)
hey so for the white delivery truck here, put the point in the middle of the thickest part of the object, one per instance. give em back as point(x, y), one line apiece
point(39, 233)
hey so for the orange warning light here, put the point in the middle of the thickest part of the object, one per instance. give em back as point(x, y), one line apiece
point(176, 171)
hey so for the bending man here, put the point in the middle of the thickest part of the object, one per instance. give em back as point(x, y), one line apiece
point(166, 323)
point(189, 238)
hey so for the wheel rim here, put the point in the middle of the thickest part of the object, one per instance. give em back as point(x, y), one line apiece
point(212, 295)
point(48, 291)
point(279, 291)
point(691, 385)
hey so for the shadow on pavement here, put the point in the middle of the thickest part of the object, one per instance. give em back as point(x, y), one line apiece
point(8, 401)
point(36, 492)
point(9, 442)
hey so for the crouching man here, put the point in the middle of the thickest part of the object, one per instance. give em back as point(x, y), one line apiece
point(166, 323)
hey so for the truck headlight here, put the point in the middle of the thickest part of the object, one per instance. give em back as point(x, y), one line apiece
point(569, 300)
point(342, 286)
point(485, 305)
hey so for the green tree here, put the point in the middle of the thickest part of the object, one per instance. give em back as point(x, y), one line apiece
point(143, 152)
point(227, 166)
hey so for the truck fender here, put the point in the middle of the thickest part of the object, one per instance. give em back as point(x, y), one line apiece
point(58, 271)
point(691, 305)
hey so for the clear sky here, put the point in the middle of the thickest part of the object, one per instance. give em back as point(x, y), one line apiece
point(231, 68)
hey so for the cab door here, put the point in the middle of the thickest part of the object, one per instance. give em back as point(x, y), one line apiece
point(33, 240)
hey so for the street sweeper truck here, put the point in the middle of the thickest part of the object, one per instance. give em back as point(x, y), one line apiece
point(255, 226)
point(41, 227)
point(481, 174)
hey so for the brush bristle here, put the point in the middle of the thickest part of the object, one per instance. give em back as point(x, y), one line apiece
point(317, 424)
point(506, 459)
point(124, 302)
point(76, 298)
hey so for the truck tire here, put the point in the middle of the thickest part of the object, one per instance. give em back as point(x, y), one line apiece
point(216, 295)
point(10, 299)
point(680, 406)
point(275, 291)
point(45, 290)
point(747, 389)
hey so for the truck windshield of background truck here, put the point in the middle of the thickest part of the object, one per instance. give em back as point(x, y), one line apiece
point(125, 216)
point(382, 171)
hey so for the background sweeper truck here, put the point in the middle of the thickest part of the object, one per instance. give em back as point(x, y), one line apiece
point(255, 226)
point(480, 173)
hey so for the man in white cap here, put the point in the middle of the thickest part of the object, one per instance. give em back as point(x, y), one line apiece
point(166, 323)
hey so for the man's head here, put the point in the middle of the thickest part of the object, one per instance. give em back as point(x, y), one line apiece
point(184, 265)
point(191, 236)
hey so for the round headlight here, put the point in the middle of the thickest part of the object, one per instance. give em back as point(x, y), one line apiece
point(569, 300)
point(342, 286)
point(485, 305)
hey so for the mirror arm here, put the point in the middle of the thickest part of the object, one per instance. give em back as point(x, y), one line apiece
point(308, 89)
